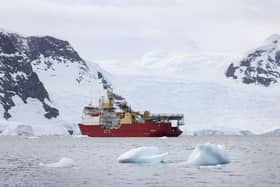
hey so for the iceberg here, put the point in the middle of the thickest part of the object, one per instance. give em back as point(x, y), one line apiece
point(17, 129)
point(275, 132)
point(62, 163)
point(142, 155)
point(33, 137)
point(208, 132)
point(208, 154)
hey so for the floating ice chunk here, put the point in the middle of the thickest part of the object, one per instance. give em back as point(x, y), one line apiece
point(142, 155)
point(62, 163)
point(163, 137)
point(208, 154)
point(79, 136)
point(33, 137)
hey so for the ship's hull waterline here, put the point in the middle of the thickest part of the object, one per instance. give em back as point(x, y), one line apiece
point(147, 129)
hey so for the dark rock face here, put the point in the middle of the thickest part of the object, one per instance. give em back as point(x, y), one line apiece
point(52, 49)
point(230, 71)
point(49, 46)
point(262, 66)
point(6, 44)
point(120, 101)
point(104, 82)
point(17, 77)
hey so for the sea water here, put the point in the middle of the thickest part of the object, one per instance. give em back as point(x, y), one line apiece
point(254, 161)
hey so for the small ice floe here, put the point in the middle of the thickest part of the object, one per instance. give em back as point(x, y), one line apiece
point(208, 155)
point(32, 137)
point(62, 163)
point(80, 136)
point(163, 137)
point(142, 155)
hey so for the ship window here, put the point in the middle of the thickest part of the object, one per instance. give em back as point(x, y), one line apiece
point(90, 110)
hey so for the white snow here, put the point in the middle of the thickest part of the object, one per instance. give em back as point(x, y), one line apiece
point(16, 129)
point(32, 114)
point(208, 154)
point(62, 163)
point(228, 106)
point(65, 93)
point(270, 40)
point(142, 155)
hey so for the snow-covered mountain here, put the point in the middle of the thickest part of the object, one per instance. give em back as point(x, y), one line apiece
point(45, 83)
point(261, 66)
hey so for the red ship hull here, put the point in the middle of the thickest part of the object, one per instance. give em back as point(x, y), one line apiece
point(147, 129)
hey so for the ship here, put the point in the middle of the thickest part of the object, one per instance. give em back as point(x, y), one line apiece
point(107, 120)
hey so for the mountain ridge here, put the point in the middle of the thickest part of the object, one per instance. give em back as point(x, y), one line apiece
point(43, 79)
point(260, 66)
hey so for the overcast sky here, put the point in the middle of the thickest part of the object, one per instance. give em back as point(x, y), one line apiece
point(126, 29)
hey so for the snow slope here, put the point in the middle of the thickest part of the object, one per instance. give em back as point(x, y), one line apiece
point(45, 84)
point(206, 105)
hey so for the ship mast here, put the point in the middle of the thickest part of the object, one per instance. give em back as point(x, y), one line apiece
point(108, 116)
point(110, 103)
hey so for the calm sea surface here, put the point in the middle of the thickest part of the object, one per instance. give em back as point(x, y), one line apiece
point(255, 161)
